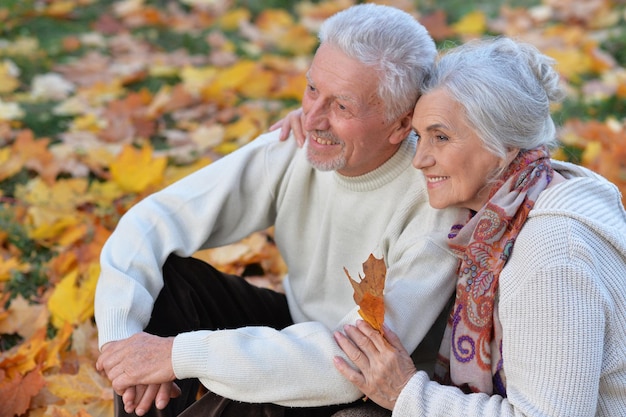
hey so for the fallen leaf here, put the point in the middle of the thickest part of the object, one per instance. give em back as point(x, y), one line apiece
point(368, 292)
point(472, 24)
point(16, 393)
point(23, 318)
point(136, 170)
point(72, 298)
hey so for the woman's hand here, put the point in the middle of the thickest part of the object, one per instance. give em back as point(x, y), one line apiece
point(293, 122)
point(384, 366)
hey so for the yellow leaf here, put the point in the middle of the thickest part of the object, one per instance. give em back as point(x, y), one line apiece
point(297, 40)
point(234, 77)
point(243, 130)
point(104, 193)
point(195, 79)
point(61, 8)
point(45, 224)
point(9, 80)
point(7, 266)
point(23, 358)
point(262, 87)
point(231, 20)
point(64, 195)
point(571, 62)
point(174, 173)
point(473, 24)
point(591, 153)
point(86, 390)
point(9, 164)
point(136, 170)
point(88, 123)
point(72, 299)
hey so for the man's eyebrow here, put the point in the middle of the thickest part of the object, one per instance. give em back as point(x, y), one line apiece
point(337, 96)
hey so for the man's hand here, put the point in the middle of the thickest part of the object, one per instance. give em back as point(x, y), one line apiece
point(140, 370)
point(140, 398)
point(383, 365)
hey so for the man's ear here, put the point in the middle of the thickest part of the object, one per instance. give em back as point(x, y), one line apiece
point(402, 129)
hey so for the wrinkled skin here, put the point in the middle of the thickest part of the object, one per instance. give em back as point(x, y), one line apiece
point(137, 367)
point(383, 366)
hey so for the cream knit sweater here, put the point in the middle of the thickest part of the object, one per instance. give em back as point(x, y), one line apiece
point(563, 311)
point(323, 222)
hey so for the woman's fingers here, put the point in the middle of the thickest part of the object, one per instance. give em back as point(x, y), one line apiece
point(392, 338)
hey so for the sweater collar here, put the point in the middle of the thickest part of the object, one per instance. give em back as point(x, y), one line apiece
point(384, 174)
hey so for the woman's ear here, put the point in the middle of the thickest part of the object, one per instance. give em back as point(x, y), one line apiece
point(403, 128)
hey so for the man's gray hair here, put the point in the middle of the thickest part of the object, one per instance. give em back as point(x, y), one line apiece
point(506, 88)
point(389, 40)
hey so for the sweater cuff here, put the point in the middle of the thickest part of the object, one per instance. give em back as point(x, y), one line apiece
point(189, 354)
point(412, 392)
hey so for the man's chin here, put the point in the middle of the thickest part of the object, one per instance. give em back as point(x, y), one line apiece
point(325, 165)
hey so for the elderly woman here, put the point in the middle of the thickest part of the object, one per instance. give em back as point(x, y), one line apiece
point(538, 326)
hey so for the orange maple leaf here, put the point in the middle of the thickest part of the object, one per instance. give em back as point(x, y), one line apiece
point(368, 292)
point(16, 393)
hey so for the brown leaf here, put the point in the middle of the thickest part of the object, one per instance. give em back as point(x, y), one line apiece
point(437, 25)
point(16, 393)
point(368, 292)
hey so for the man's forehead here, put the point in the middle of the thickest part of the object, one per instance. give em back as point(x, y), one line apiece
point(356, 90)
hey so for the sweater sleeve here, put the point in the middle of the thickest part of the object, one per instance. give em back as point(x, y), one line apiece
point(552, 348)
point(294, 367)
point(204, 209)
point(553, 310)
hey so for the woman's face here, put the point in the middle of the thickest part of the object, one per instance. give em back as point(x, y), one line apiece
point(456, 164)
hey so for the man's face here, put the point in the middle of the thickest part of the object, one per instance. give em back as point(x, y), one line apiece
point(344, 117)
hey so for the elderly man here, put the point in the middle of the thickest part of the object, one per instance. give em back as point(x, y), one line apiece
point(167, 321)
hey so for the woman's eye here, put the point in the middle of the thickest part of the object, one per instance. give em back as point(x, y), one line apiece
point(441, 138)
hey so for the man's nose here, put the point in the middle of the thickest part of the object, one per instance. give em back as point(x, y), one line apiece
point(316, 117)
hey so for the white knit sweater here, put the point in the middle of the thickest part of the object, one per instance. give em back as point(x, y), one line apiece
point(323, 222)
point(563, 311)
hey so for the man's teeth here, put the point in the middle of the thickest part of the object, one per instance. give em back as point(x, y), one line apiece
point(436, 179)
point(322, 141)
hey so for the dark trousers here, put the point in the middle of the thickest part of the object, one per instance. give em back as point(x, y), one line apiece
point(197, 296)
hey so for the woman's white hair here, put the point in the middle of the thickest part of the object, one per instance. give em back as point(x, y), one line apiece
point(505, 87)
point(389, 40)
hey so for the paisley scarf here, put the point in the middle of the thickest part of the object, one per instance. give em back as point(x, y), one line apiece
point(471, 349)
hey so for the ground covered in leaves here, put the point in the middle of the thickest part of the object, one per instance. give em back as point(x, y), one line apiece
point(103, 102)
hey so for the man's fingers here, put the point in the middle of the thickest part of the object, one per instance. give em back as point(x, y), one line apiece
point(165, 392)
point(128, 398)
point(147, 398)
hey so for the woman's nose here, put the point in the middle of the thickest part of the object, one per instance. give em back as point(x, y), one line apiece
point(422, 158)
